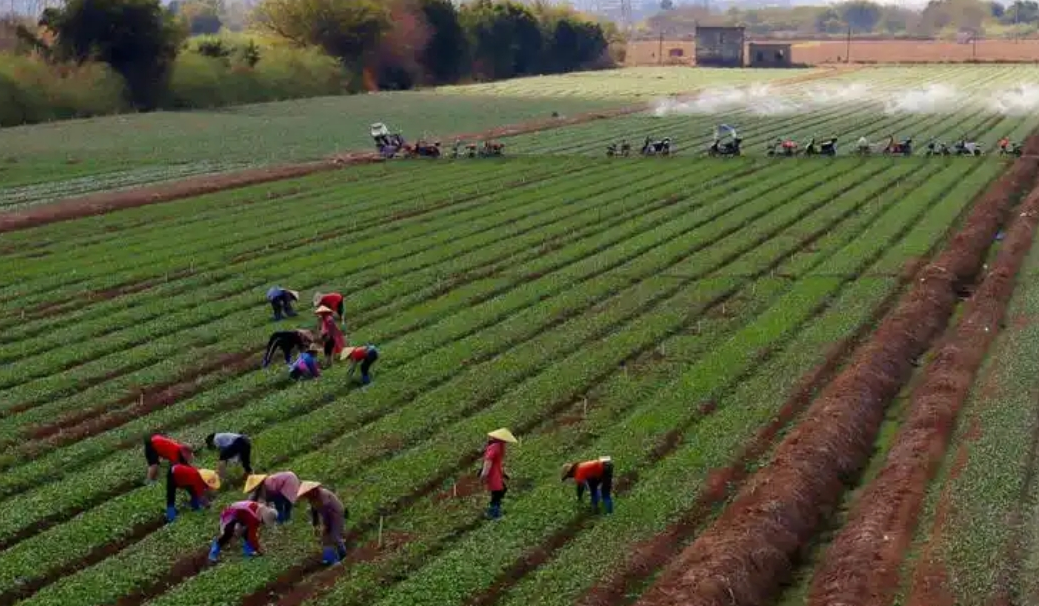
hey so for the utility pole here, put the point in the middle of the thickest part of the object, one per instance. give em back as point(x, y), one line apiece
point(974, 44)
point(660, 48)
point(847, 51)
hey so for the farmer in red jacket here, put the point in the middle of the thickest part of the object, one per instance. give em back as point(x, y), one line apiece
point(196, 482)
point(243, 518)
point(493, 471)
point(594, 475)
point(157, 447)
point(333, 301)
point(366, 355)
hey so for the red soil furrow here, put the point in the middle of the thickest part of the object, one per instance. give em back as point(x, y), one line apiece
point(861, 566)
point(154, 397)
point(93, 557)
point(742, 558)
point(722, 483)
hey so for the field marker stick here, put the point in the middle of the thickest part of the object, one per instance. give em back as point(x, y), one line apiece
point(584, 405)
point(454, 489)
point(381, 520)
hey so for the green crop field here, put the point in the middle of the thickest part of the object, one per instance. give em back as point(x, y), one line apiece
point(683, 315)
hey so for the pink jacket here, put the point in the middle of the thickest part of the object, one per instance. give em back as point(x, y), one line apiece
point(329, 327)
point(284, 483)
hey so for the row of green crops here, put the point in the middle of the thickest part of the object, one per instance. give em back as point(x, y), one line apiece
point(945, 103)
point(617, 271)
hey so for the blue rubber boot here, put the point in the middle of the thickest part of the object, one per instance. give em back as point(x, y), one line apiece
point(494, 512)
point(366, 379)
point(171, 513)
point(214, 551)
point(247, 550)
point(341, 550)
point(329, 556)
point(608, 504)
point(195, 504)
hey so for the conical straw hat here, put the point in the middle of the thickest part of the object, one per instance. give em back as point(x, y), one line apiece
point(210, 477)
point(317, 297)
point(322, 310)
point(504, 435)
point(565, 471)
point(345, 354)
point(253, 481)
point(294, 293)
point(306, 487)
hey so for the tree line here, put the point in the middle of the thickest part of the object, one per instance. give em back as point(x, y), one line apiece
point(863, 17)
point(373, 44)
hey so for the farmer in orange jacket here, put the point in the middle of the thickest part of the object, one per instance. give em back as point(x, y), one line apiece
point(243, 517)
point(197, 483)
point(157, 447)
point(594, 475)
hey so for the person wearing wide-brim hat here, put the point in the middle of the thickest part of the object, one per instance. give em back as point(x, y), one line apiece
point(331, 335)
point(366, 355)
point(333, 301)
point(243, 518)
point(594, 475)
point(306, 366)
point(328, 514)
point(197, 482)
point(493, 471)
point(281, 300)
point(278, 489)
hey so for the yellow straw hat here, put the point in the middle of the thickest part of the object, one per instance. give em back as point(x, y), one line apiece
point(345, 354)
point(253, 481)
point(306, 487)
point(294, 293)
point(504, 435)
point(210, 477)
point(318, 295)
point(322, 310)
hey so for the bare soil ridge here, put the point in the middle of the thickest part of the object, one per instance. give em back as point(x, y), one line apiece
point(862, 564)
point(106, 202)
point(752, 547)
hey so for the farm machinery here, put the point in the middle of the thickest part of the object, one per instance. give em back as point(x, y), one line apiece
point(624, 151)
point(726, 142)
point(390, 145)
point(656, 148)
point(489, 149)
point(789, 148)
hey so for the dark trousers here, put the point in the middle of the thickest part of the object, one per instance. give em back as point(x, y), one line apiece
point(229, 533)
point(368, 361)
point(241, 448)
point(282, 307)
point(603, 486)
point(286, 341)
point(283, 506)
point(171, 492)
point(497, 496)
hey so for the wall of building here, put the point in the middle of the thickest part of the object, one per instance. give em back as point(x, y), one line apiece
point(719, 46)
point(769, 55)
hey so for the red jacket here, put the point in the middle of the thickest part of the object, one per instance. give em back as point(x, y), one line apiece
point(331, 300)
point(170, 449)
point(247, 514)
point(186, 476)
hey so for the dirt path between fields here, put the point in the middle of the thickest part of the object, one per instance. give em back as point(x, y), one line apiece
point(744, 556)
point(105, 202)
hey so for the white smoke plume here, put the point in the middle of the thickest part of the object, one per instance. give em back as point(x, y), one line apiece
point(765, 100)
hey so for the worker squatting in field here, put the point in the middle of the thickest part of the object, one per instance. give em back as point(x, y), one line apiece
point(243, 518)
point(196, 482)
point(328, 516)
point(231, 446)
point(281, 300)
point(278, 489)
point(366, 355)
point(287, 341)
point(593, 475)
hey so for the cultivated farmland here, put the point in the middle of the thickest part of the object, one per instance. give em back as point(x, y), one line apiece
point(755, 341)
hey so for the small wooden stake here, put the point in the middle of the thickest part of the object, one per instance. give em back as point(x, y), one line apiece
point(454, 490)
point(584, 406)
point(381, 520)
point(141, 400)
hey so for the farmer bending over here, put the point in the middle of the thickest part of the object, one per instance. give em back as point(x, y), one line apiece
point(593, 475)
point(231, 446)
